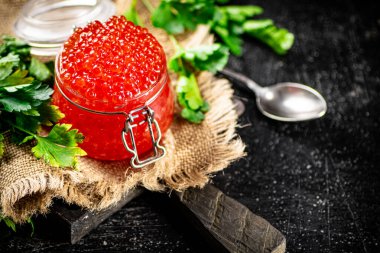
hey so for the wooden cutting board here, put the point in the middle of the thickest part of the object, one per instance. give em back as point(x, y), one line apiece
point(226, 225)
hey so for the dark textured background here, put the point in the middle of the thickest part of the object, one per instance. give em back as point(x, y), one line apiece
point(317, 181)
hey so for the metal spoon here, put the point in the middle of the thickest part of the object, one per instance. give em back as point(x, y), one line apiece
point(284, 101)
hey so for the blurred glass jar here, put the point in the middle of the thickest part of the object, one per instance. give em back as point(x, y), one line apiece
point(46, 24)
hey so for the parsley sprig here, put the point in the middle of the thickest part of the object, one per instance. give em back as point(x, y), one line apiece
point(12, 225)
point(132, 15)
point(25, 109)
point(186, 63)
point(228, 22)
point(176, 16)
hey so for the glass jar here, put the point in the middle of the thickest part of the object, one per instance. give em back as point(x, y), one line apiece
point(116, 130)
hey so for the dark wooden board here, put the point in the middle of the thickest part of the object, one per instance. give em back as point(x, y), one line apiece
point(223, 224)
point(71, 222)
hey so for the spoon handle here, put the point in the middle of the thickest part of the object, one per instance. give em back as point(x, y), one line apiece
point(252, 85)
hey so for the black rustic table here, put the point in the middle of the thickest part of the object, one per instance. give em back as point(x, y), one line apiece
point(317, 181)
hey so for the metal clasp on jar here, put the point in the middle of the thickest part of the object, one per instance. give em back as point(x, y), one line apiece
point(130, 123)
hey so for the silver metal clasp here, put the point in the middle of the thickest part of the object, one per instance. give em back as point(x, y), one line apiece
point(131, 122)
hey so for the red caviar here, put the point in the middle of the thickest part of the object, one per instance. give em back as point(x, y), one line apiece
point(112, 67)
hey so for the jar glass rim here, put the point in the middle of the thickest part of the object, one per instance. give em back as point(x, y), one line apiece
point(36, 7)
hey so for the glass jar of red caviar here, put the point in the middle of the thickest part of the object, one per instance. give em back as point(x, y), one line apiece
point(111, 82)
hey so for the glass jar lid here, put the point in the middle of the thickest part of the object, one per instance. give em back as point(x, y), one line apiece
point(47, 24)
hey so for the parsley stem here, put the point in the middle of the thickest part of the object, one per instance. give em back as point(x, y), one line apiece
point(22, 129)
point(5, 132)
point(175, 42)
point(178, 48)
point(148, 5)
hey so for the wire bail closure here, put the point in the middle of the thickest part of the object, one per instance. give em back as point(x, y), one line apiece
point(158, 150)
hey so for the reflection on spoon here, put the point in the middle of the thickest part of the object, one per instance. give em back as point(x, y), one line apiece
point(284, 101)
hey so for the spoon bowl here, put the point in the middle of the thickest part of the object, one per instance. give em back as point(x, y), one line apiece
point(284, 101)
point(291, 102)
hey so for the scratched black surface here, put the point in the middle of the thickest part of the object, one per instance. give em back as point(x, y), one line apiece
point(317, 181)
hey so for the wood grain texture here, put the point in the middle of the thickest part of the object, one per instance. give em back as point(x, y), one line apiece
point(231, 223)
point(72, 223)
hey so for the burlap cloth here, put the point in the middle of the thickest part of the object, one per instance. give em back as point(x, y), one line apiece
point(28, 185)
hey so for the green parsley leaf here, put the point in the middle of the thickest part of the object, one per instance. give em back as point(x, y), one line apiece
point(38, 92)
point(2, 148)
point(17, 47)
point(51, 66)
point(279, 39)
point(31, 223)
point(24, 127)
point(228, 32)
point(11, 104)
point(206, 57)
point(176, 16)
point(189, 97)
point(192, 116)
point(9, 223)
point(232, 41)
point(164, 18)
point(39, 70)
point(25, 94)
point(132, 15)
point(25, 140)
point(60, 147)
point(7, 64)
point(47, 115)
point(50, 114)
point(11, 44)
point(231, 22)
point(185, 62)
point(241, 13)
point(16, 81)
